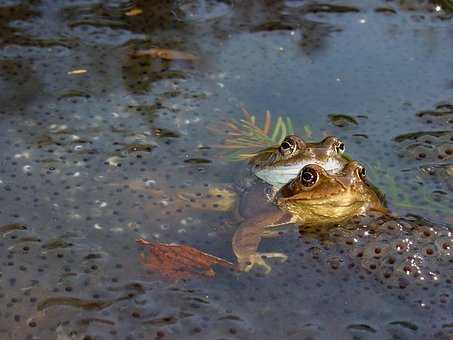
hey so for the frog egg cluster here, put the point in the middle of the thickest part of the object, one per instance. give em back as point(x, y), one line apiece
point(69, 218)
point(435, 143)
point(400, 252)
point(59, 286)
point(427, 146)
point(441, 116)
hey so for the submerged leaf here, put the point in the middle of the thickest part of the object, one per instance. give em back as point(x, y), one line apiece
point(175, 262)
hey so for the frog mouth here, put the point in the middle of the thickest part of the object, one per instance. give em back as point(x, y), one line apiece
point(280, 175)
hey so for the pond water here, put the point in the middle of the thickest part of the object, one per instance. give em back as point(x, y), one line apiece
point(101, 147)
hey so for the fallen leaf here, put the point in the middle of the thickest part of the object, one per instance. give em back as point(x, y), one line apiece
point(175, 262)
point(166, 54)
point(133, 12)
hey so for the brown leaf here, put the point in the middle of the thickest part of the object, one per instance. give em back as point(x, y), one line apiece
point(175, 262)
point(166, 54)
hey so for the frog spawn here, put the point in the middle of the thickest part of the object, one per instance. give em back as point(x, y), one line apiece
point(89, 298)
point(100, 26)
point(428, 156)
point(399, 253)
point(434, 146)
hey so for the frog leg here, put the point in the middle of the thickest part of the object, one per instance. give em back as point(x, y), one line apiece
point(248, 237)
point(258, 260)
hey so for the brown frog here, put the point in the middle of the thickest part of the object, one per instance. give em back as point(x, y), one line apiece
point(314, 197)
point(277, 165)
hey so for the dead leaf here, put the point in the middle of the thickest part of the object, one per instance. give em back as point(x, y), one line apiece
point(134, 12)
point(166, 54)
point(175, 262)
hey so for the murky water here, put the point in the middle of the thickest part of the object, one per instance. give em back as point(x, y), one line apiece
point(101, 147)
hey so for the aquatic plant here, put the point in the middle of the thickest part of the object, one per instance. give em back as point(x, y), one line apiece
point(245, 137)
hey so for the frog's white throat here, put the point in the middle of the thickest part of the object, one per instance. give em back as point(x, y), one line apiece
point(279, 176)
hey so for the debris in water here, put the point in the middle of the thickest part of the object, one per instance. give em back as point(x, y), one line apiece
point(177, 262)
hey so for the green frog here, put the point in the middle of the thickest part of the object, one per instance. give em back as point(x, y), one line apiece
point(314, 197)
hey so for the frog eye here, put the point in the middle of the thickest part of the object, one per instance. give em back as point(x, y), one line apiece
point(288, 146)
point(340, 147)
point(362, 172)
point(285, 145)
point(308, 177)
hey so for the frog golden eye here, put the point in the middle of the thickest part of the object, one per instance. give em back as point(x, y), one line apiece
point(340, 147)
point(308, 177)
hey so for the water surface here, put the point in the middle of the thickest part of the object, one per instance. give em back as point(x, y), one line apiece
point(99, 146)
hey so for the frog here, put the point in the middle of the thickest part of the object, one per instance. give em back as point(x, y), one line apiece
point(276, 165)
point(279, 164)
point(314, 197)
